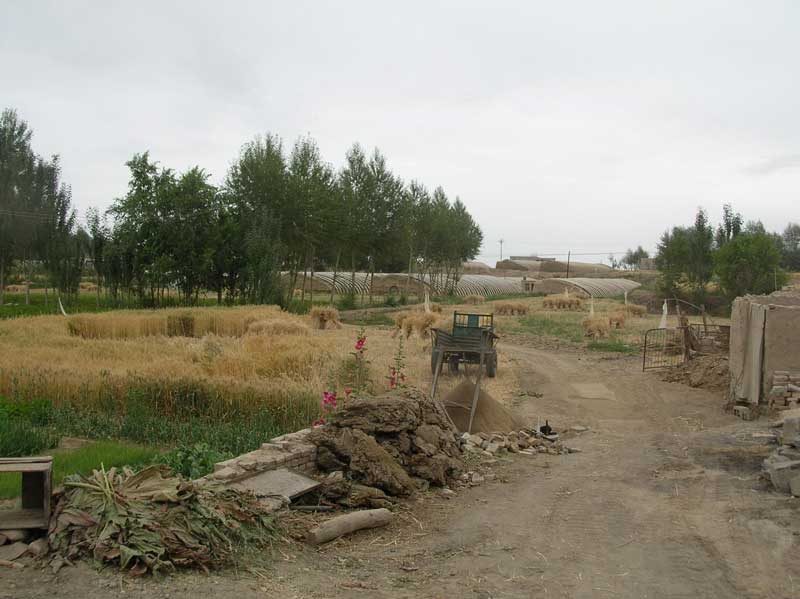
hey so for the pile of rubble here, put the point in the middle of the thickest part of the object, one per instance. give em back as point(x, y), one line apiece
point(782, 467)
point(785, 392)
point(392, 444)
point(526, 441)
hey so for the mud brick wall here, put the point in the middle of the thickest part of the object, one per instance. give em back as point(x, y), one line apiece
point(785, 391)
point(287, 451)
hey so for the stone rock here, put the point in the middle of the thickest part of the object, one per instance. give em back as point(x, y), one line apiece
point(448, 492)
point(794, 485)
point(227, 473)
point(579, 428)
point(12, 536)
point(791, 428)
point(11, 552)
point(3, 539)
point(781, 474)
point(368, 462)
point(477, 478)
point(39, 548)
point(492, 447)
point(327, 460)
point(475, 439)
point(513, 447)
point(435, 469)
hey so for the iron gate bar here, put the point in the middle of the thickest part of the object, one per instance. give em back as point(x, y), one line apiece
point(664, 348)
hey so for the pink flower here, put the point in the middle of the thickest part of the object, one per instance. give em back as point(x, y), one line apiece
point(360, 343)
point(347, 392)
point(329, 400)
point(318, 422)
point(392, 383)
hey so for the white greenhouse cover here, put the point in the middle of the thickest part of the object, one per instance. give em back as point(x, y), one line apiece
point(600, 287)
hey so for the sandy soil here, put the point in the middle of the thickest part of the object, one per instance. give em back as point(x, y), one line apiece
point(663, 501)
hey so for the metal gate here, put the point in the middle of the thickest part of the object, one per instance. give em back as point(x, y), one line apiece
point(663, 348)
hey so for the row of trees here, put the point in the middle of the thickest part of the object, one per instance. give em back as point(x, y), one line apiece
point(743, 257)
point(275, 211)
point(37, 223)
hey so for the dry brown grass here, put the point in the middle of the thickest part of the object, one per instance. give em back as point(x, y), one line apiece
point(16, 288)
point(278, 326)
point(321, 317)
point(596, 327)
point(510, 308)
point(474, 299)
point(175, 322)
point(87, 286)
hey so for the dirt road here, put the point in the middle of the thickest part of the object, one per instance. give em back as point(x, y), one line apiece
point(664, 500)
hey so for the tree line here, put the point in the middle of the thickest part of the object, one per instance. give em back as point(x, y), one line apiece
point(742, 257)
point(173, 235)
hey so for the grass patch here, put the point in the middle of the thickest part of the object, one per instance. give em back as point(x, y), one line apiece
point(83, 460)
point(563, 326)
point(613, 345)
point(374, 319)
point(14, 304)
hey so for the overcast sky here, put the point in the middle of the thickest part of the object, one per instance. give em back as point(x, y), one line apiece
point(585, 126)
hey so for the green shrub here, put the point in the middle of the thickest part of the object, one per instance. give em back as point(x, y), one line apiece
point(347, 302)
point(34, 411)
point(192, 461)
point(19, 437)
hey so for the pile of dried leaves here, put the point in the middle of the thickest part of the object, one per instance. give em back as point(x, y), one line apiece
point(154, 520)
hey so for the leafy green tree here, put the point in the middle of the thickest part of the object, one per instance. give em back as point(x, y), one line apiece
point(749, 263)
point(730, 226)
point(790, 247)
point(685, 258)
point(633, 258)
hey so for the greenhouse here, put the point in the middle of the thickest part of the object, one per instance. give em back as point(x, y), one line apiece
point(586, 286)
point(396, 283)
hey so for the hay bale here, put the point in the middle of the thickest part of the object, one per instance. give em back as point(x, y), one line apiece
point(474, 299)
point(510, 308)
point(282, 326)
point(616, 320)
point(636, 310)
point(321, 317)
point(596, 327)
point(490, 414)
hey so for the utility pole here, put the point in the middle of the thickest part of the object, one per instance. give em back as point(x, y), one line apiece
point(569, 254)
point(502, 241)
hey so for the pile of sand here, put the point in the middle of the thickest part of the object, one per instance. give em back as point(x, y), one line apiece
point(490, 416)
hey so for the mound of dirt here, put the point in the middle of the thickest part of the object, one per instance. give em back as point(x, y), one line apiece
point(490, 415)
point(391, 442)
point(702, 372)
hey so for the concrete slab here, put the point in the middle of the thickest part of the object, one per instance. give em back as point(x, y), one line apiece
point(592, 391)
point(280, 482)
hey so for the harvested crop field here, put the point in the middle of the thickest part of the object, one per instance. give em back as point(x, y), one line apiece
point(231, 377)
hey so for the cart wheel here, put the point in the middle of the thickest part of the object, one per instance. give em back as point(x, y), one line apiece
point(434, 357)
point(491, 366)
point(453, 364)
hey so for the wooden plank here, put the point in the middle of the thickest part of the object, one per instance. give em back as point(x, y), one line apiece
point(29, 467)
point(32, 459)
point(22, 519)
